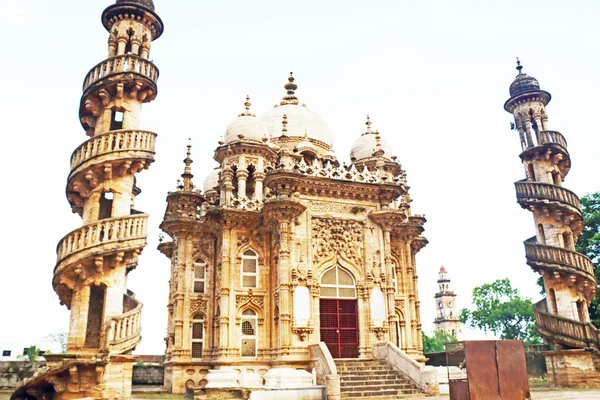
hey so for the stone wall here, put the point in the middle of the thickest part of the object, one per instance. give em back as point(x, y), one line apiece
point(153, 375)
point(12, 373)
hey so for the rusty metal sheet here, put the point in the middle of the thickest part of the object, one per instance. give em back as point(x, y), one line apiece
point(459, 389)
point(512, 370)
point(482, 371)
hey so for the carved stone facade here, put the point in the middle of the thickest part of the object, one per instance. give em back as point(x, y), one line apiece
point(285, 247)
point(94, 260)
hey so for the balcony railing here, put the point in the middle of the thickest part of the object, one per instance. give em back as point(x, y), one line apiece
point(124, 331)
point(114, 141)
point(121, 64)
point(103, 232)
point(542, 254)
point(528, 190)
point(547, 137)
point(584, 334)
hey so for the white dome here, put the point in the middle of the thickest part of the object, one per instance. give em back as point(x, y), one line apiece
point(248, 126)
point(366, 145)
point(211, 180)
point(301, 121)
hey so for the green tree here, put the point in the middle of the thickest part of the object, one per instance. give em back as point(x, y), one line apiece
point(500, 309)
point(588, 243)
point(435, 343)
point(33, 353)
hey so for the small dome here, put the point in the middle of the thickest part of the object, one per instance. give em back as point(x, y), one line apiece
point(211, 181)
point(301, 121)
point(443, 270)
point(144, 3)
point(248, 126)
point(523, 83)
point(366, 145)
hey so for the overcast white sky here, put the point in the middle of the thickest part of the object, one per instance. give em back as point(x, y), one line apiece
point(434, 76)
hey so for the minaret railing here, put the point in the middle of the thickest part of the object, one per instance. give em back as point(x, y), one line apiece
point(545, 191)
point(113, 141)
point(127, 63)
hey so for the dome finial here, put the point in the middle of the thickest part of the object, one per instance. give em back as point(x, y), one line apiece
point(368, 123)
point(247, 112)
point(187, 171)
point(284, 122)
point(519, 66)
point(290, 87)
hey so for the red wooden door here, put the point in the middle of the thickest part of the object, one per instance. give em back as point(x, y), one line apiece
point(339, 327)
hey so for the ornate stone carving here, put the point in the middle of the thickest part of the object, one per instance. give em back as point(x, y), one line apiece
point(303, 331)
point(399, 304)
point(199, 306)
point(243, 299)
point(331, 237)
point(340, 208)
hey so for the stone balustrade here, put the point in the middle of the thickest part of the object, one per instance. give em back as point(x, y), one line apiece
point(547, 137)
point(343, 172)
point(113, 141)
point(543, 254)
point(102, 232)
point(585, 334)
point(545, 191)
point(121, 64)
point(125, 330)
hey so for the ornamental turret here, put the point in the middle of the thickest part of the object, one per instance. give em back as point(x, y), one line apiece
point(568, 276)
point(94, 260)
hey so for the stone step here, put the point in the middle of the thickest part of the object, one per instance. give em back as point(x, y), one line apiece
point(368, 382)
point(375, 387)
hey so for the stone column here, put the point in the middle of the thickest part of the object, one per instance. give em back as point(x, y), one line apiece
point(224, 342)
point(242, 176)
point(80, 302)
point(227, 190)
point(121, 44)
point(258, 185)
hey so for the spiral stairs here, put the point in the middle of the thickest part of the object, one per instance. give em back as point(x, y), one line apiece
point(562, 317)
point(93, 261)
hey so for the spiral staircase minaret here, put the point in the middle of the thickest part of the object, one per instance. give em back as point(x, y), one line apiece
point(562, 317)
point(93, 261)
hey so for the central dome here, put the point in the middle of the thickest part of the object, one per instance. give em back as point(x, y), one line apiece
point(301, 122)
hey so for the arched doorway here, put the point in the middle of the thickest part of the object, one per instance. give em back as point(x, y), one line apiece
point(338, 313)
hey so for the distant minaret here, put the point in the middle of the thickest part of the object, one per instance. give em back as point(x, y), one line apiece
point(445, 301)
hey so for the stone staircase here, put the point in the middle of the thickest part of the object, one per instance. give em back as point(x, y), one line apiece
point(372, 379)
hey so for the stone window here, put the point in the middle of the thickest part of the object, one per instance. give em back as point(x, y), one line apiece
point(200, 276)
point(249, 269)
point(249, 333)
point(337, 282)
point(197, 335)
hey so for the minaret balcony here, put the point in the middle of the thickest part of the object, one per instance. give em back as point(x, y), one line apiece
point(123, 64)
point(124, 332)
point(101, 238)
point(556, 259)
point(536, 193)
point(555, 328)
point(114, 146)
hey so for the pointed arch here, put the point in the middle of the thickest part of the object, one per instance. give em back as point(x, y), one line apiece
point(354, 270)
